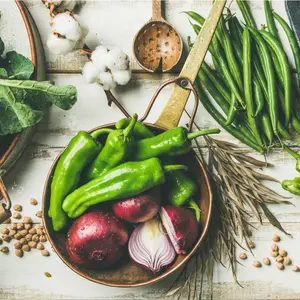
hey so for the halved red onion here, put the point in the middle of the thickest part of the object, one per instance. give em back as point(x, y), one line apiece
point(181, 226)
point(150, 247)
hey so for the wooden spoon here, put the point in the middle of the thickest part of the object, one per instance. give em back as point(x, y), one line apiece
point(157, 46)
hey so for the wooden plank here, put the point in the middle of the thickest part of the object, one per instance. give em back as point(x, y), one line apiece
point(116, 23)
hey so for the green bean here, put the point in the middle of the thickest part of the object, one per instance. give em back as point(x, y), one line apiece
point(270, 20)
point(230, 56)
point(277, 66)
point(293, 43)
point(283, 132)
point(285, 68)
point(258, 97)
point(295, 124)
point(269, 72)
point(232, 110)
point(233, 29)
point(217, 81)
point(248, 85)
point(246, 12)
point(226, 72)
point(267, 127)
point(217, 67)
point(221, 120)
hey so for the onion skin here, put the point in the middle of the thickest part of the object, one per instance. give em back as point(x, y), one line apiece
point(181, 226)
point(140, 208)
point(97, 240)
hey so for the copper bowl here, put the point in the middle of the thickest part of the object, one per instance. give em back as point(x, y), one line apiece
point(126, 273)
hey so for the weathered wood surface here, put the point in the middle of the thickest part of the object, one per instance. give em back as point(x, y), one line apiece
point(24, 278)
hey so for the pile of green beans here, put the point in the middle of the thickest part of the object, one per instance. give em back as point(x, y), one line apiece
point(250, 90)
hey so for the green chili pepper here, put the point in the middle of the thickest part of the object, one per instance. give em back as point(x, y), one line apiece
point(292, 186)
point(82, 149)
point(295, 155)
point(194, 206)
point(140, 131)
point(172, 142)
point(117, 149)
point(126, 180)
point(248, 85)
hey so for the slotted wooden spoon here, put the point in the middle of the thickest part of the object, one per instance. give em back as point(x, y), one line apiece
point(157, 46)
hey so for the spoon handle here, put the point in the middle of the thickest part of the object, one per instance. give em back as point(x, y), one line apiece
point(172, 112)
point(156, 10)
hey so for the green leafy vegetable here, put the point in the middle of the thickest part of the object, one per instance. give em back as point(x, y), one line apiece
point(23, 101)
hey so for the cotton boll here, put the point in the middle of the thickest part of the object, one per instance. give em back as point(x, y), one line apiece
point(83, 25)
point(117, 59)
point(107, 81)
point(90, 72)
point(66, 25)
point(122, 77)
point(98, 57)
point(59, 45)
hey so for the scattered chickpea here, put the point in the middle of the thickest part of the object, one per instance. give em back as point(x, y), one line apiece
point(12, 233)
point(18, 207)
point(26, 248)
point(39, 213)
point(20, 226)
point(40, 246)
point(280, 266)
point(283, 253)
point(251, 244)
point(4, 249)
point(295, 268)
point(257, 264)
point(267, 261)
point(14, 226)
point(287, 261)
point(275, 248)
point(27, 220)
point(5, 230)
point(28, 237)
point(24, 232)
point(32, 244)
point(32, 231)
point(276, 238)
point(18, 245)
point(19, 252)
point(43, 239)
point(45, 253)
point(33, 201)
point(35, 238)
point(274, 253)
point(279, 259)
point(27, 226)
point(243, 255)
point(39, 231)
point(17, 236)
point(17, 215)
point(6, 238)
point(23, 241)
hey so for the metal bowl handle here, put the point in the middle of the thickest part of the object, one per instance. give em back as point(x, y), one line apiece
point(5, 212)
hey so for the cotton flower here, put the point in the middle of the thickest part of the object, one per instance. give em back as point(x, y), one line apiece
point(99, 58)
point(121, 77)
point(66, 25)
point(117, 59)
point(107, 81)
point(59, 45)
point(90, 72)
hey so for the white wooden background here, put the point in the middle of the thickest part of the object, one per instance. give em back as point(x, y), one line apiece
point(116, 22)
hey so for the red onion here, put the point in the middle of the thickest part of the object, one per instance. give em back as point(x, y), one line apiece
point(140, 208)
point(150, 247)
point(181, 226)
point(96, 240)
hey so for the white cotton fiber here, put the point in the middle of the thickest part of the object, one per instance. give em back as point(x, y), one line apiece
point(122, 77)
point(117, 60)
point(60, 45)
point(107, 81)
point(99, 58)
point(90, 72)
point(66, 25)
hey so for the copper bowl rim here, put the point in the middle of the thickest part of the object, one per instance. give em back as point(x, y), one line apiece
point(155, 279)
point(21, 8)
